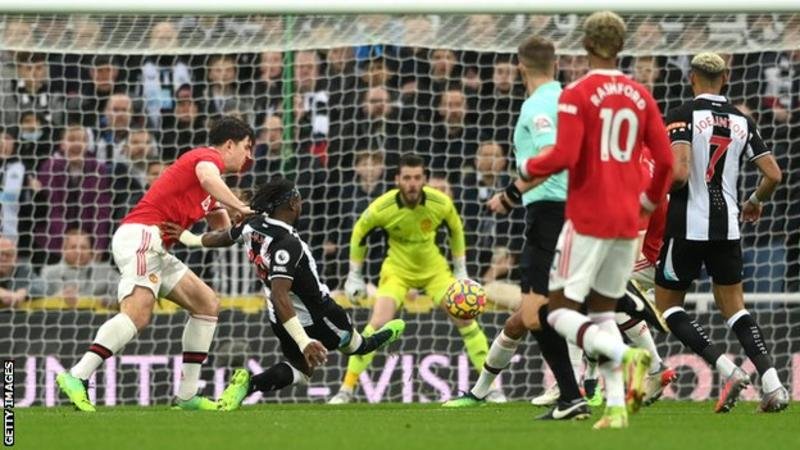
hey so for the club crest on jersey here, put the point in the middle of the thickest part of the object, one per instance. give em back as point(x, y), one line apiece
point(426, 225)
point(542, 123)
point(281, 257)
point(206, 203)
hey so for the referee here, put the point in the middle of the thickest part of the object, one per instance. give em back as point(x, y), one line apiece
point(710, 138)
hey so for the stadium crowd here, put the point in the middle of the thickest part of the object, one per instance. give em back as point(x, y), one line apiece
point(83, 135)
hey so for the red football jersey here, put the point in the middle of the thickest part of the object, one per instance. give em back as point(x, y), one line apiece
point(176, 196)
point(604, 120)
point(654, 224)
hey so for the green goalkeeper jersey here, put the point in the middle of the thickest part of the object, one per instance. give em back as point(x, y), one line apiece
point(535, 130)
point(411, 232)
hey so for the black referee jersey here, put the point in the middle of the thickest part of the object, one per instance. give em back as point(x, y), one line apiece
point(720, 136)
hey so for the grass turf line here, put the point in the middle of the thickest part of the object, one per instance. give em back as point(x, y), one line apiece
point(666, 425)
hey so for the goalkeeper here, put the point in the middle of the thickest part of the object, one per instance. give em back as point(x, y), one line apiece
point(410, 215)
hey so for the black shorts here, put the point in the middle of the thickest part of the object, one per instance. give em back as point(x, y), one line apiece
point(331, 326)
point(544, 221)
point(680, 261)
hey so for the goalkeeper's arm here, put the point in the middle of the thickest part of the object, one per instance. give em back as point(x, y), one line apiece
point(458, 247)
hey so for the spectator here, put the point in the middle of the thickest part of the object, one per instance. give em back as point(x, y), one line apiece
point(647, 70)
point(185, 128)
point(162, 74)
point(129, 173)
point(18, 281)
point(76, 187)
point(500, 101)
point(268, 87)
point(492, 243)
point(115, 125)
point(356, 195)
point(19, 187)
point(221, 94)
point(572, 67)
point(341, 78)
point(454, 141)
point(34, 139)
point(154, 170)
point(103, 81)
point(311, 106)
point(79, 274)
point(377, 126)
point(30, 91)
point(419, 104)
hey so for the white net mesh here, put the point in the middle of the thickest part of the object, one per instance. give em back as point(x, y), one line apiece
point(335, 100)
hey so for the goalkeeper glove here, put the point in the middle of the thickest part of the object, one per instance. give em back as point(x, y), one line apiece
point(355, 287)
point(460, 268)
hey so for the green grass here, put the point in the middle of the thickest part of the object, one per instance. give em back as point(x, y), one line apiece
point(667, 425)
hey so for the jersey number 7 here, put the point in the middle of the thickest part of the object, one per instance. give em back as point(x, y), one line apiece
point(719, 145)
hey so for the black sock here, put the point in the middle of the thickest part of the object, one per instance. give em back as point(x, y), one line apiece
point(372, 342)
point(554, 350)
point(752, 340)
point(692, 335)
point(276, 377)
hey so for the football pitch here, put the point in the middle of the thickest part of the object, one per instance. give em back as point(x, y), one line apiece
point(666, 425)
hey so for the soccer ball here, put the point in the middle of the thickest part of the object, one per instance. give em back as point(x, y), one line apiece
point(465, 299)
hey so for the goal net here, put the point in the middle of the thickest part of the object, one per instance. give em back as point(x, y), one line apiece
point(94, 107)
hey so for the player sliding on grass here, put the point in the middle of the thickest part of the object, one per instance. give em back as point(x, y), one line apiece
point(410, 215)
point(302, 314)
point(189, 190)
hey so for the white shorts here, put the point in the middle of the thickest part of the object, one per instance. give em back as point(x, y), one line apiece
point(585, 263)
point(142, 261)
point(644, 273)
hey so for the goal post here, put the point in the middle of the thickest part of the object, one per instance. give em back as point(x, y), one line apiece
point(336, 91)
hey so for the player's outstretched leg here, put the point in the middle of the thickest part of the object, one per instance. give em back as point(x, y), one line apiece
point(775, 397)
point(499, 356)
point(570, 404)
point(242, 384)
point(362, 345)
point(356, 364)
point(659, 375)
point(110, 338)
point(692, 335)
point(75, 389)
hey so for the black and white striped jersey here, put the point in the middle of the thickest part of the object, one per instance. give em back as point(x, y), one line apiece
point(276, 251)
point(707, 208)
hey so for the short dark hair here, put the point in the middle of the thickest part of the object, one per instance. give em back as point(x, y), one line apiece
point(30, 58)
point(271, 195)
point(537, 53)
point(230, 128)
point(411, 160)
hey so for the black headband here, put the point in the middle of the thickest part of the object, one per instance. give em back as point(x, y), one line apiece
point(285, 197)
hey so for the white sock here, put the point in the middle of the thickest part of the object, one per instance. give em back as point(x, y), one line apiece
point(614, 383)
point(595, 341)
point(576, 360)
point(110, 338)
point(641, 337)
point(197, 336)
point(725, 366)
point(500, 354)
point(611, 370)
point(770, 381)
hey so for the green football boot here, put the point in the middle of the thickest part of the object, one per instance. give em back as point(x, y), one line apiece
point(196, 403)
point(233, 395)
point(74, 389)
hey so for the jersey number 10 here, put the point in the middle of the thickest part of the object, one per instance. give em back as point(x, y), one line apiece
point(610, 139)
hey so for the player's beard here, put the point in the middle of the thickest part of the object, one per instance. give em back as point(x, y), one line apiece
point(411, 198)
